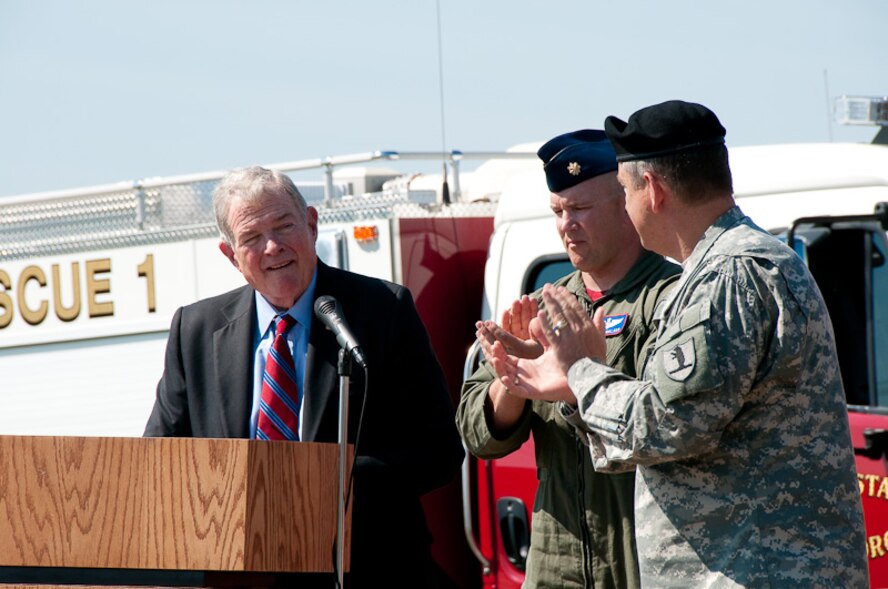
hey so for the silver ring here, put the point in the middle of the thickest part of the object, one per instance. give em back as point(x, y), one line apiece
point(556, 329)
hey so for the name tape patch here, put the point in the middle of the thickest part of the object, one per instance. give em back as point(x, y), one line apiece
point(615, 324)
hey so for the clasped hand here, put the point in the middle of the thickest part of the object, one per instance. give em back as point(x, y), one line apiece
point(533, 350)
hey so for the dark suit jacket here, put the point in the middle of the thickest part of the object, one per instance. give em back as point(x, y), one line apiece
point(408, 445)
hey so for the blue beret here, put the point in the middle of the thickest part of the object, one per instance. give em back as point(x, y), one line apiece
point(664, 129)
point(575, 157)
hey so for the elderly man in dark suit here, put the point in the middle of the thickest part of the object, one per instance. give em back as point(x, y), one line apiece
point(222, 351)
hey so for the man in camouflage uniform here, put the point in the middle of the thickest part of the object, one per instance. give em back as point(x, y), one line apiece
point(582, 532)
point(739, 428)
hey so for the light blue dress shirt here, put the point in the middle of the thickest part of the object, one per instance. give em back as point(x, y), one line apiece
point(297, 339)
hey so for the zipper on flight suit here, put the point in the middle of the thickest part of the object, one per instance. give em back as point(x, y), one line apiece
point(581, 453)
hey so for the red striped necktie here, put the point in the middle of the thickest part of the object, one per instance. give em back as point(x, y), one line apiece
point(279, 404)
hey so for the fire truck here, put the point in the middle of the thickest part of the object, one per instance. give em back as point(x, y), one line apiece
point(90, 279)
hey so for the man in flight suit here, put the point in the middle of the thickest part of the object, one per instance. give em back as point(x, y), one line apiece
point(582, 531)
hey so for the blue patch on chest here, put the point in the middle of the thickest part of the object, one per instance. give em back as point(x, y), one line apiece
point(615, 324)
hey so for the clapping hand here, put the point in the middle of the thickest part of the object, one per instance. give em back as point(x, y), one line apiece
point(514, 333)
point(567, 334)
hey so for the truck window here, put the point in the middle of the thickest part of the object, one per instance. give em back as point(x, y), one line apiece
point(838, 263)
point(880, 318)
point(545, 270)
point(848, 262)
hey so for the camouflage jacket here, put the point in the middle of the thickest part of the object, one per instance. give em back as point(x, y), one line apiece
point(582, 531)
point(739, 429)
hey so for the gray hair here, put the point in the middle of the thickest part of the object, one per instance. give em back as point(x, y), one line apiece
point(693, 175)
point(635, 170)
point(250, 185)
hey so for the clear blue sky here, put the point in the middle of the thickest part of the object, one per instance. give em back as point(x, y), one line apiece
point(98, 91)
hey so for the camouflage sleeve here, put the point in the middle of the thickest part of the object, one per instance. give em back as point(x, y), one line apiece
point(592, 441)
point(473, 419)
point(703, 363)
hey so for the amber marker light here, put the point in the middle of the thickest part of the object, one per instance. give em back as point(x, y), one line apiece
point(365, 233)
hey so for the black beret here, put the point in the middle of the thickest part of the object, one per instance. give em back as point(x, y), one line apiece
point(664, 129)
point(575, 157)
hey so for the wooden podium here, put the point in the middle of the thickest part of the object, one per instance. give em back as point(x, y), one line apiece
point(223, 510)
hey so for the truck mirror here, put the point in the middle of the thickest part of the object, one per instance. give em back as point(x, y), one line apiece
point(881, 213)
point(875, 443)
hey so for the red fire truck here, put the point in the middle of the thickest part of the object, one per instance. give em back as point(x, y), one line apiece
point(90, 278)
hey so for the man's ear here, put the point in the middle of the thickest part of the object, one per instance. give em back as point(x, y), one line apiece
point(311, 218)
point(658, 192)
point(226, 249)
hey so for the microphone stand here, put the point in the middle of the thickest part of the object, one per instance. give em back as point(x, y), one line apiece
point(345, 369)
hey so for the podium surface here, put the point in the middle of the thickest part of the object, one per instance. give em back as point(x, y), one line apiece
point(180, 504)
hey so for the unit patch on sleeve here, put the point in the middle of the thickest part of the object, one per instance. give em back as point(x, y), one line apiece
point(679, 361)
point(615, 324)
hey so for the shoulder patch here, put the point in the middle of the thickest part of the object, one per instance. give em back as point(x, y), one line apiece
point(615, 324)
point(680, 360)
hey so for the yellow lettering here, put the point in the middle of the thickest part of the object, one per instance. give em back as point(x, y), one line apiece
point(32, 316)
point(62, 312)
point(872, 478)
point(883, 489)
point(875, 547)
point(146, 271)
point(95, 286)
point(860, 482)
point(5, 300)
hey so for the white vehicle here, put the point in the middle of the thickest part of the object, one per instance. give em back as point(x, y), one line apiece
point(90, 279)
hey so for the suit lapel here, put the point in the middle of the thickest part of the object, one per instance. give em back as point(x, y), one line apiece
point(233, 355)
point(320, 397)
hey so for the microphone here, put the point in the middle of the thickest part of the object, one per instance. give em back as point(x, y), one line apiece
point(327, 309)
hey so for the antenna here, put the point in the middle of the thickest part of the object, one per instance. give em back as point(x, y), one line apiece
point(445, 189)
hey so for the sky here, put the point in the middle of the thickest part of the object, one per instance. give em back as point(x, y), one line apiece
point(100, 91)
